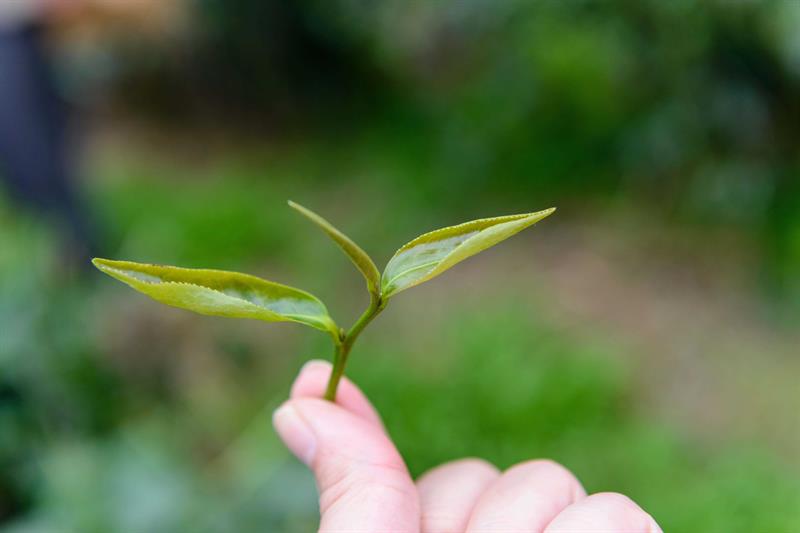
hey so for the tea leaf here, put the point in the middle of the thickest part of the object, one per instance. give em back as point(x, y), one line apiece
point(221, 293)
point(430, 254)
point(359, 257)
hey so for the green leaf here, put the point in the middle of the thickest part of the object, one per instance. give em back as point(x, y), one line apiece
point(359, 257)
point(430, 254)
point(221, 293)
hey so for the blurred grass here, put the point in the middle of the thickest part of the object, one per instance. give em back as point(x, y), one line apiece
point(120, 415)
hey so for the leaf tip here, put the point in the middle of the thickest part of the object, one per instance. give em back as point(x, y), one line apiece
point(116, 268)
point(302, 210)
point(544, 213)
point(100, 263)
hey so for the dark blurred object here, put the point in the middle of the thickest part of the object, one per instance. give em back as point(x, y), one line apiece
point(35, 157)
point(265, 66)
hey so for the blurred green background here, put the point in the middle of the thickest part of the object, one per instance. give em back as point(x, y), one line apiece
point(646, 336)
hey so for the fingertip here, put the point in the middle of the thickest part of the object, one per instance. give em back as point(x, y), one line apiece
point(316, 363)
point(312, 380)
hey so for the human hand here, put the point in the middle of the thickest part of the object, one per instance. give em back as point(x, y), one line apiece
point(364, 484)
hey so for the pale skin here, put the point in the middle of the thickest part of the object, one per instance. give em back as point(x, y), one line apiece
point(364, 484)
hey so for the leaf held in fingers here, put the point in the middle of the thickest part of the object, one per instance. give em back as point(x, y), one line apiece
point(221, 293)
point(359, 257)
point(430, 254)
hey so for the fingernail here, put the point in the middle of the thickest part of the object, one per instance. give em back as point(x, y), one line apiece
point(295, 433)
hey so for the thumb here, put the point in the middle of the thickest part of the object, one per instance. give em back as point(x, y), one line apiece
point(364, 485)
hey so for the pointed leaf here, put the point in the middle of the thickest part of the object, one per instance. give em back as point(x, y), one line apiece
point(359, 257)
point(221, 293)
point(430, 254)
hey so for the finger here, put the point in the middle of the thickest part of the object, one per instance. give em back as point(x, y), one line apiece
point(448, 493)
point(363, 483)
point(604, 512)
point(526, 497)
point(312, 381)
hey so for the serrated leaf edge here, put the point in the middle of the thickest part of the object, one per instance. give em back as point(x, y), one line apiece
point(508, 218)
point(332, 327)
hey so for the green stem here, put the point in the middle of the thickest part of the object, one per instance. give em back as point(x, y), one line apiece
point(345, 343)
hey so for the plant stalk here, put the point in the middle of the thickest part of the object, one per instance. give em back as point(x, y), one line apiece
point(345, 343)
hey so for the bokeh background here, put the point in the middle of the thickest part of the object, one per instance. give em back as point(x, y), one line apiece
point(646, 336)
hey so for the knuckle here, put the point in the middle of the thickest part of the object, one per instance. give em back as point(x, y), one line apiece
point(628, 511)
point(474, 464)
point(468, 468)
point(556, 474)
point(613, 499)
point(544, 467)
point(362, 486)
point(332, 494)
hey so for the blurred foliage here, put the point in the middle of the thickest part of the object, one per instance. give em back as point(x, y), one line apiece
point(121, 415)
point(391, 118)
point(689, 109)
point(572, 402)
